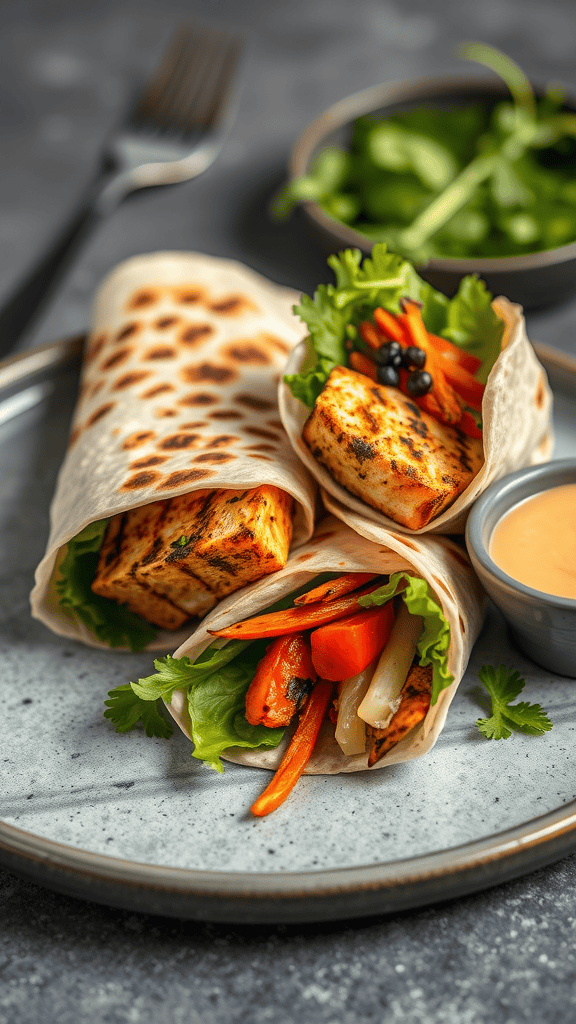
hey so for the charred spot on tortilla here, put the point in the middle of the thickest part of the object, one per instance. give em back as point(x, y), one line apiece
point(94, 348)
point(222, 441)
point(158, 389)
point(259, 448)
point(194, 425)
point(137, 439)
point(164, 322)
point(215, 457)
point(75, 434)
point(246, 352)
point(139, 480)
point(144, 297)
point(160, 352)
point(252, 402)
point(96, 387)
point(539, 397)
point(164, 413)
point(188, 296)
point(324, 536)
point(204, 372)
point(276, 424)
point(129, 379)
point(178, 441)
point(277, 343)
point(226, 414)
point(102, 411)
point(260, 432)
point(147, 461)
point(192, 334)
point(185, 476)
point(305, 556)
point(441, 584)
point(233, 305)
point(395, 469)
point(128, 331)
point(116, 358)
point(264, 458)
point(198, 398)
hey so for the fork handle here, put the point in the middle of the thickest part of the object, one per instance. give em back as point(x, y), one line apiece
point(26, 302)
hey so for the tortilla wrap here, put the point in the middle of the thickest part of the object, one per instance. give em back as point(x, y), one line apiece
point(516, 420)
point(178, 393)
point(335, 547)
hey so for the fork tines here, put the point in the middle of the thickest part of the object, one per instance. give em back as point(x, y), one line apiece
point(189, 90)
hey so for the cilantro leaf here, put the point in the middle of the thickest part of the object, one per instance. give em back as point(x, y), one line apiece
point(111, 623)
point(435, 639)
point(126, 711)
point(504, 685)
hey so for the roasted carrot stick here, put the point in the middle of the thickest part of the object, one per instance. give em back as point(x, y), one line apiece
point(336, 588)
point(390, 326)
point(370, 334)
point(466, 423)
point(283, 680)
point(469, 426)
point(294, 620)
point(414, 703)
point(362, 364)
point(342, 649)
point(299, 751)
point(448, 401)
point(469, 389)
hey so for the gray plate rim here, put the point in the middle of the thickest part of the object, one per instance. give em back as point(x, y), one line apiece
point(281, 897)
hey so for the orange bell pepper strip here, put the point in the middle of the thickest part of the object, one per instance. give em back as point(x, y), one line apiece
point(342, 649)
point(454, 354)
point(448, 401)
point(467, 423)
point(469, 426)
point(362, 364)
point(299, 751)
point(282, 682)
point(370, 334)
point(336, 588)
point(294, 620)
point(469, 389)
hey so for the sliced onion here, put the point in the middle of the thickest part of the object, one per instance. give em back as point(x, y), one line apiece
point(383, 696)
point(351, 730)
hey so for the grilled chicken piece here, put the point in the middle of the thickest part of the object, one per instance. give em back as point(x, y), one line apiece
point(171, 560)
point(127, 539)
point(414, 703)
point(224, 538)
point(377, 443)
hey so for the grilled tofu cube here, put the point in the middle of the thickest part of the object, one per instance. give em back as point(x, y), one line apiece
point(128, 537)
point(223, 538)
point(377, 443)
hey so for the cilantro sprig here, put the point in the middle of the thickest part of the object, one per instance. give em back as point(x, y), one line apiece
point(504, 685)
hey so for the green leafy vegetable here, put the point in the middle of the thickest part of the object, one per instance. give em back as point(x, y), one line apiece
point(382, 280)
point(126, 711)
point(111, 623)
point(504, 685)
point(435, 639)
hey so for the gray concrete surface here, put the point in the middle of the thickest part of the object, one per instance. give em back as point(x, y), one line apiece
point(505, 956)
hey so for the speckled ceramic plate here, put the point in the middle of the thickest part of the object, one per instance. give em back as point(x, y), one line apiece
point(135, 822)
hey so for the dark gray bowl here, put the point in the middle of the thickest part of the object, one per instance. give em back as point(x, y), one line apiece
point(543, 625)
point(534, 280)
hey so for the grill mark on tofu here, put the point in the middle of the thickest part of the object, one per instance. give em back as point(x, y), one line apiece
point(415, 452)
point(361, 449)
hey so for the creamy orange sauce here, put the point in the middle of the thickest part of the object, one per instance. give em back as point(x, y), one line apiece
point(535, 542)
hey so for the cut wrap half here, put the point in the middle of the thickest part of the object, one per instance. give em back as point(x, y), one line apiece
point(179, 485)
point(213, 684)
point(412, 462)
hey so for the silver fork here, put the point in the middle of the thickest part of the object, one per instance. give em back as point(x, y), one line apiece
point(174, 131)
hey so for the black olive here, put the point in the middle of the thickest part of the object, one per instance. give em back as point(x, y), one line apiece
point(388, 375)
point(389, 354)
point(414, 357)
point(419, 383)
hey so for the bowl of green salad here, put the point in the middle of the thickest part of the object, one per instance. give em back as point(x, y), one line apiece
point(460, 176)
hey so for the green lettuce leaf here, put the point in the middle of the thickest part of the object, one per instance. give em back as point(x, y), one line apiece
point(111, 623)
point(382, 279)
point(126, 711)
point(435, 639)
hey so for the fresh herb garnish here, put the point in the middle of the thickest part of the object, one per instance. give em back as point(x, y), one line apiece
point(504, 685)
point(126, 711)
point(182, 541)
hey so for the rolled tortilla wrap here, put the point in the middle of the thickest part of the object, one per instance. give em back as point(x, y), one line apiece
point(178, 394)
point(335, 547)
point(516, 421)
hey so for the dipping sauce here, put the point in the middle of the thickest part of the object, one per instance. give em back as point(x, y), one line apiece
point(535, 542)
